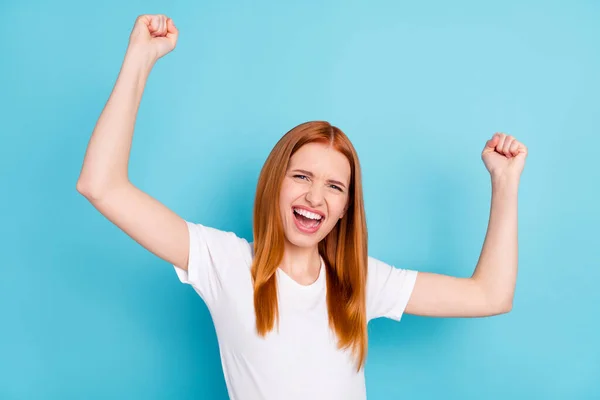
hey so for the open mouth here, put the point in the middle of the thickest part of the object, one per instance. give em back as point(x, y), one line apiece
point(307, 221)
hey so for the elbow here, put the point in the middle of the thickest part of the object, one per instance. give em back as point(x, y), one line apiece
point(86, 190)
point(496, 300)
point(90, 190)
point(503, 306)
point(96, 190)
point(506, 307)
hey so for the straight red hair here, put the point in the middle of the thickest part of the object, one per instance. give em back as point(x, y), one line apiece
point(344, 249)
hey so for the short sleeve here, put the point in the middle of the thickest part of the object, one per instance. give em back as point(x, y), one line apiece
point(388, 290)
point(212, 254)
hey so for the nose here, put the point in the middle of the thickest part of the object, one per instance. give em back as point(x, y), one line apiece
point(314, 196)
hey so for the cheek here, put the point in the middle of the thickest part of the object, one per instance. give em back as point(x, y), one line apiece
point(290, 191)
point(286, 193)
point(336, 206)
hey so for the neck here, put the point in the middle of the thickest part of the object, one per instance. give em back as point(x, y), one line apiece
point(301, 263)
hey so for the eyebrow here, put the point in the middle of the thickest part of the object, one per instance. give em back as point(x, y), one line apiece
point(310, 174)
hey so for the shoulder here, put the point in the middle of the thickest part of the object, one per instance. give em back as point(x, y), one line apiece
point(388, 289)
point(377, 270)
point(218, 245)
point(218, 262)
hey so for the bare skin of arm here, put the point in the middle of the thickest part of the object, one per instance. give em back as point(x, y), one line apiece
point(104, 177)
point(490, 289)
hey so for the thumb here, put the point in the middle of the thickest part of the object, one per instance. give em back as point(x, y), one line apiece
point(172, 31)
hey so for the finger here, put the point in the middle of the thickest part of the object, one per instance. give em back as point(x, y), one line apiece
point(522, 150)
point(157, 32)
point(159, 25)
point(514, 148)
point(501, 143)
point(491, 144)
point(506, 146)
point(163, 25)
point(154, 23)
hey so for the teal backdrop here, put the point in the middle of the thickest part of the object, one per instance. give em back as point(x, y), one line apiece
point(86, 313)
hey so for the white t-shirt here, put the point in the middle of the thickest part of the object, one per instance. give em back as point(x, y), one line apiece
point(301, 360)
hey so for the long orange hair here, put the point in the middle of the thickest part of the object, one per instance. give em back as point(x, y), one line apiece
point(344, 249)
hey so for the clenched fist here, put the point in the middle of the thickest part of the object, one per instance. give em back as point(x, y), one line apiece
point(504, 155)
point(154, 35)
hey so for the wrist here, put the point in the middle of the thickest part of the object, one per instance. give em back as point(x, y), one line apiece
point(139, 57)
point(505, 181)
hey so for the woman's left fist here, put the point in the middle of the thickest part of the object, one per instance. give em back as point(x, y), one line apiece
point(503, 155)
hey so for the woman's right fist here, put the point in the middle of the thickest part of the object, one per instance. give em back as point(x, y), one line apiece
point(155, 35)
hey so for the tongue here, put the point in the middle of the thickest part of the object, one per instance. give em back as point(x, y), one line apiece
point(307, 222)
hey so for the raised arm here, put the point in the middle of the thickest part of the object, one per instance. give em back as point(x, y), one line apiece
point(490, 289)
point(104, 177)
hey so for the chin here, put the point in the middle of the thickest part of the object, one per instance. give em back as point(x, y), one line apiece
point(301, 241)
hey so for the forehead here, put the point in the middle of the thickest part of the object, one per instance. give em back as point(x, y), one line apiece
point(322, 160)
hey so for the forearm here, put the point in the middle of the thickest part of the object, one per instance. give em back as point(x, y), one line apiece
point(496, 270)
point(107, 156)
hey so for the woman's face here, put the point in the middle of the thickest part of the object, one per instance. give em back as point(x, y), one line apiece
point(314, 193)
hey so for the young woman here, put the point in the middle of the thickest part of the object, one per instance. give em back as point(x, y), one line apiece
point(291, 309)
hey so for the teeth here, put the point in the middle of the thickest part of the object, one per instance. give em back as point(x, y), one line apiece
point(308, 214)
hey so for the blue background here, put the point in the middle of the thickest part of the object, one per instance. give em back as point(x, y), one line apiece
point(85, 312)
